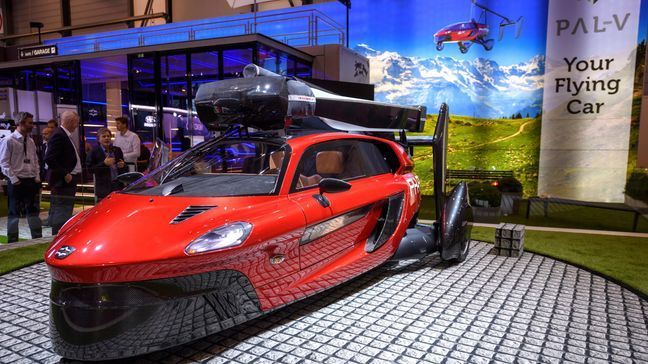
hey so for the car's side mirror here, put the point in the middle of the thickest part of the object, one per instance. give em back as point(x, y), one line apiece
point(330, 185)
point(129, 177)
point(333, 185)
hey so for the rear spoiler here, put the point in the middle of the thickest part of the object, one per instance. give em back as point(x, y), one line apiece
point(264, 100)
point(368, 114)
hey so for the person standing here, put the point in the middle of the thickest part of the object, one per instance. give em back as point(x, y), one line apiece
point(41, 148)
point(52, 123)
point(19, 162)
point(106, 162)
point(63, 170)
point(128, 142)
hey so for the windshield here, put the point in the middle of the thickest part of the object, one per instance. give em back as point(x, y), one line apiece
point(218, 169)
point(459, 26)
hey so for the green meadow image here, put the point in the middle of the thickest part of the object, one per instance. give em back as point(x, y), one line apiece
point(486, 144)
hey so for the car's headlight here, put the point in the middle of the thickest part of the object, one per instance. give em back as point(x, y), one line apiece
point(226, 236)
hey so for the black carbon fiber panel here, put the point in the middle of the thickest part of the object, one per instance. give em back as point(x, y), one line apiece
point(101, 322)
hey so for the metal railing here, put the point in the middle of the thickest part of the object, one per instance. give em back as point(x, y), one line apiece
point(86, 26)
point(297, 28)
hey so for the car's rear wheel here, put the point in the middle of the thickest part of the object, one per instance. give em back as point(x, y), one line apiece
point(465, 248)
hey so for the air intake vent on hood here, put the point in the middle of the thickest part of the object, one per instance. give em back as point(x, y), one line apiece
point(189, 212)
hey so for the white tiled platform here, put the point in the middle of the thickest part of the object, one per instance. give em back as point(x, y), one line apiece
point(488, 309)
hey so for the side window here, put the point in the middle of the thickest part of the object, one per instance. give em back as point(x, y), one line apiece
point(342, 159)
point(242, 157)
point(379, 158)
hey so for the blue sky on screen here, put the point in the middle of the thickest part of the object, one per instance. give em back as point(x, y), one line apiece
point(408, 27)
point(643, 21)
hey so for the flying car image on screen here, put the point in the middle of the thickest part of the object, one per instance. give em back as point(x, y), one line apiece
point(475, 31)
point(248, 222)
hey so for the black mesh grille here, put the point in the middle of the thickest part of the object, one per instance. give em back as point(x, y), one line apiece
point(190, 211)
point(95, 322)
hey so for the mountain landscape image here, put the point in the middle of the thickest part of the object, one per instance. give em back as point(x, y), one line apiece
point(494, 121)
point(478, 88)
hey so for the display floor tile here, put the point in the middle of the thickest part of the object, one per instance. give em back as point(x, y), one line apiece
point(488, 309)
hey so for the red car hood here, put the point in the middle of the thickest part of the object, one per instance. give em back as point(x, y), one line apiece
point(129, 229)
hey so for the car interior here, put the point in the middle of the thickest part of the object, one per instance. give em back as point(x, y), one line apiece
point(336, 161)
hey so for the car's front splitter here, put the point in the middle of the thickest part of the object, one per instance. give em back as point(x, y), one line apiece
point(118, 320)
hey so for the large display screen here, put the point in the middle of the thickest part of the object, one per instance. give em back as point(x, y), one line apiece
point(542, 88)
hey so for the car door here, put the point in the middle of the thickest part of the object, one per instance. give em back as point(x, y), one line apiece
point(351, 215)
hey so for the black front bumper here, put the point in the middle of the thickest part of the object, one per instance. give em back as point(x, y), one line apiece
point(118, 320)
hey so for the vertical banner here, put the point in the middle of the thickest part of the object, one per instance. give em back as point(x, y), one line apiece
point(587, 100)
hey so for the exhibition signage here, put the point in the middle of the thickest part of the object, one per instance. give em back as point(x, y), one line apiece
point(587, 99)
point(150, 121)
point(36, 52)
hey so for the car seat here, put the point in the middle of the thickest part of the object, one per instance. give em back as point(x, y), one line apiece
point(275, 161)
point(250, 165)
point(328, 163)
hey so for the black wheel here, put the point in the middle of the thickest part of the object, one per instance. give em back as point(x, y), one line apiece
point(463, 253)
point(439, 46)
point(465, 248)
point(456, 227)
point(462, 48)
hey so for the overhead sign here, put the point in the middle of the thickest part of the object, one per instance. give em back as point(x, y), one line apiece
point(36, 52)
point(587, 103)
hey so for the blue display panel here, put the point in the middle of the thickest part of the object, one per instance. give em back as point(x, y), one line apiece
point(234, 60)
point(175, 96)
point(143, 97)
point(104, 93)
point(204, 68)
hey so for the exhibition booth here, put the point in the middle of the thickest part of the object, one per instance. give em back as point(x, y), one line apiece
point(338, 181)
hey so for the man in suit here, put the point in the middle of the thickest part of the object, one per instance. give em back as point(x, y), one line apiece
point(19, 163)
point(63, 169)
point(106, 162)
point(41, 148)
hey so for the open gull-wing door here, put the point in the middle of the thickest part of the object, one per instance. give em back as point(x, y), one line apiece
point(450, 234)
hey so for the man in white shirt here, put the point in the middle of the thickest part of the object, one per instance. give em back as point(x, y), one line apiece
point(128, 142)
point(19, 162)
point(63, 169)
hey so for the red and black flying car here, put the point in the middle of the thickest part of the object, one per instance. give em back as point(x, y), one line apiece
point(475, 31)
point(464, 34)
point(245, 223)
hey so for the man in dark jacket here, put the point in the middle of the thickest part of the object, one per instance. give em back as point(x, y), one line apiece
point(41, 148)
point(63, 169)
point(106, 162)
